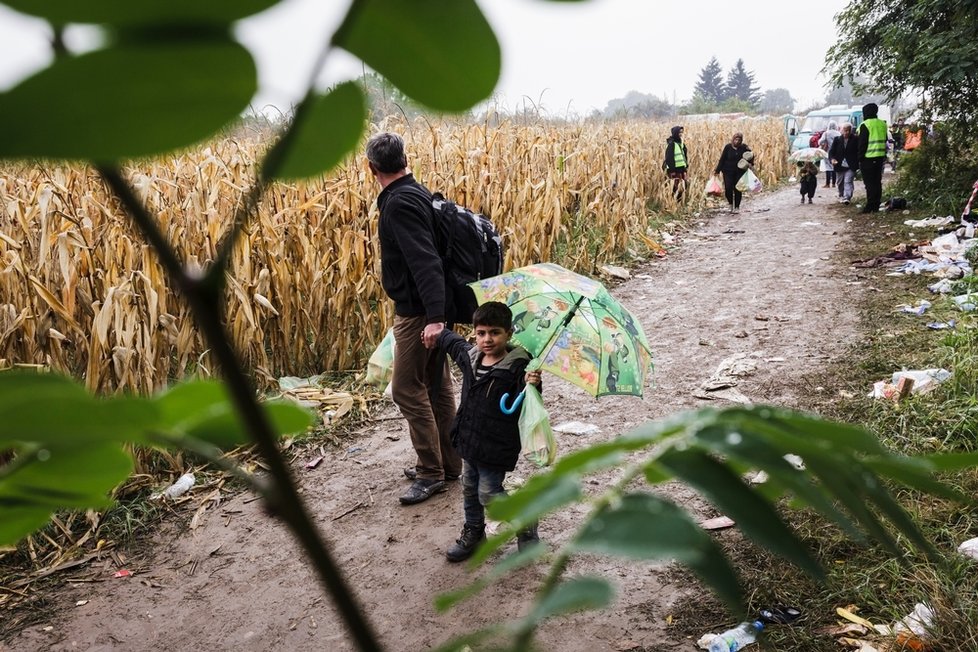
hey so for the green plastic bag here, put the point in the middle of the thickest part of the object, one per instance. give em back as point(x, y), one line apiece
point(380, 367)
point(536, 436)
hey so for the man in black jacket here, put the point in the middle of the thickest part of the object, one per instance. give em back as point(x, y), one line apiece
point(412, 276)
point(844, 157)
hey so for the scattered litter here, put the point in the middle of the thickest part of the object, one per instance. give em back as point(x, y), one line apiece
point(730, 369)
point(576, 428)
point(312, 392)
point(930, 221)
point(918, 310)
point(741, 334)
point(731, 394)
point(967, 302)
point(775, 359)
point(795, 461)
point(811, 224)
point(718, 523)
point(780, 615)
point(969, 548)
point(81, 603)
point(757, 477)
point(941, 325)
point(313, 463)
point(180, 487)
point(49, 628)
point(615, 271)
point(923, 381)
point(735, 231)
point(912, 630)
point(123, 573)
point(941, 287)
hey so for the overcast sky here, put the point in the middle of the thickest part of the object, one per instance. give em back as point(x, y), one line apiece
point(566, 57)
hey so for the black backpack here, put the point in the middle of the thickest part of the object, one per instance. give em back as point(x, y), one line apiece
point(471, 249)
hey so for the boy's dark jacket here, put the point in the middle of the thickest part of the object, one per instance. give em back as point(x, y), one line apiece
point(481, 433)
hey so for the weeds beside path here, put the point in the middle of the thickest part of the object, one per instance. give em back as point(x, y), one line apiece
point(769, 283)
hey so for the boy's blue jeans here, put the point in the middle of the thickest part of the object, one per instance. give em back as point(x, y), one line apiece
point(479, 486)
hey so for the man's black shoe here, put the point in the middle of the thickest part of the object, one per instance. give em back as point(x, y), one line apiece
point(412, 474)
point(466, 544)
point(422, 490)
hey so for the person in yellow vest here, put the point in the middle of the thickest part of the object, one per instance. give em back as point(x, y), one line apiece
point(872, 156)
point(677, 162)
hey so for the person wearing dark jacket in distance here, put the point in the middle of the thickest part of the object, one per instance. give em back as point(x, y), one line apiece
point(734, 161)
point(676, 162)
point(872, 156)
point(844, 157)
point(412, 276)
point(487, 439)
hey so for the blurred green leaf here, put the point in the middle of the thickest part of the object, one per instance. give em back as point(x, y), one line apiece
point(951, 461)
point(127, 101)
point(577, 594)
point(128, 13)
point(916, 473)
point(442, 54)
point(755, 450)
point(644, 526)
point(57, 477)
point(203, 410)
point(329, 129)
point(754, 515)
point(54, 410)
point(541, 494)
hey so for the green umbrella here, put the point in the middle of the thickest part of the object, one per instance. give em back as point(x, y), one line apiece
point(573, 328)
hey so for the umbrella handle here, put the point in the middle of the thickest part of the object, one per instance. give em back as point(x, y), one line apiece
point(516, 402)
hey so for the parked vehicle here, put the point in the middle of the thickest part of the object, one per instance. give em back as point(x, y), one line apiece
point(818, 121)
point(790, 127)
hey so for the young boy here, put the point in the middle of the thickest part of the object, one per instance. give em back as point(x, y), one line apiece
point(808, 175)
point(487, 440)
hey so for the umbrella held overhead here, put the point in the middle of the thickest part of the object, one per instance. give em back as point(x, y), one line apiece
point(573, 328)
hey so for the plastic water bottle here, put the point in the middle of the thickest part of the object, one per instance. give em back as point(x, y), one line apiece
point(181, 486)
point(737, 638)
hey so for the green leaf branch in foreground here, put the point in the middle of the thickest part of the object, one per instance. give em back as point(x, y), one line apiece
point(68, 446)
point(842, 474)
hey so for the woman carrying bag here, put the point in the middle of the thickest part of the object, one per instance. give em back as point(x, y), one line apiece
point(735, 159)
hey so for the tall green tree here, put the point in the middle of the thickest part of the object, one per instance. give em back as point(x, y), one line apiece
point(740, 85)
point(710, 86)
point(904, 45)
point(777, 101)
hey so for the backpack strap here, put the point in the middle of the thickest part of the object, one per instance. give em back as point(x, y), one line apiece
point(445, 212)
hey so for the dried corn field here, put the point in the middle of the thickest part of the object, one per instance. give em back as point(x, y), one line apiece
point(81, 292)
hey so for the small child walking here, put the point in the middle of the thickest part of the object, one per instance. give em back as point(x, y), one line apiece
point(487, 439)
point(808, 176)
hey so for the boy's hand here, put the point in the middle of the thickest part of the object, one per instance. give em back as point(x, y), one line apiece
point(533, 378)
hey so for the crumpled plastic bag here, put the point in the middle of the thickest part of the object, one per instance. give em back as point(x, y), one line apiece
point(713, 187)
point(749, 182)
point(923, 381)
point(539, 445)
point(380, 367)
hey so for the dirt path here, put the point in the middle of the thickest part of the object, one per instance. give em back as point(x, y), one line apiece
point(763, 282)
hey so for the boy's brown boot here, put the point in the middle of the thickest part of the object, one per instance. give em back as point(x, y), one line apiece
point(527, 537)
point(466, 544)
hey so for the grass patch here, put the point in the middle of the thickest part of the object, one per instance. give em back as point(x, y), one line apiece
point(945, 420)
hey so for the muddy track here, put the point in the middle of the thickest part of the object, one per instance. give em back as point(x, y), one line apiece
point(763, 282)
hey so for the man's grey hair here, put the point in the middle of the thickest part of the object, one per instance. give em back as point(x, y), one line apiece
point(386, 152)
point(846, 124)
